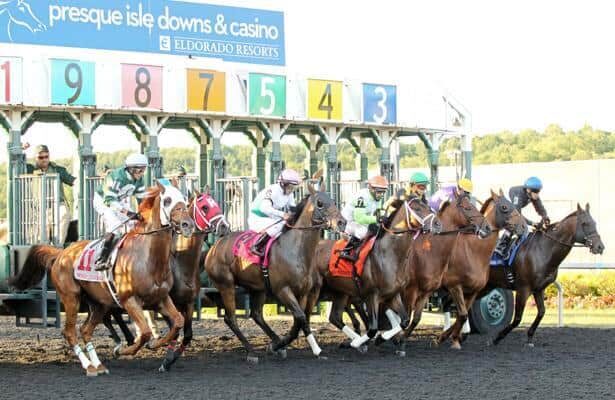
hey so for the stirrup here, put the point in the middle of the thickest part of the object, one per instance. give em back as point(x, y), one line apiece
point(257, 251)
point(101, 265)
point(345, 254)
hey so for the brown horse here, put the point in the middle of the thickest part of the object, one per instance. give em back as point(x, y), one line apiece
point(293, 282)
point(384, 273)
point(468, 268)
point(538, 260)
point(429, 254)
point(142, 276)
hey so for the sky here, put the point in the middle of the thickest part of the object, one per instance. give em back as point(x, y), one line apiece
point(514, 65)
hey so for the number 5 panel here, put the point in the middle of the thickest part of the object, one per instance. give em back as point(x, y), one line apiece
point(267, 95)
point(73, 82)
point(379, 104)
point(141, 86)
point(206, 90)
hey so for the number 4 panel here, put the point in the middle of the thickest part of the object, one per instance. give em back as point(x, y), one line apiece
point(73, 82)
point(141, 86)
point(206, 90)
point(324, 100)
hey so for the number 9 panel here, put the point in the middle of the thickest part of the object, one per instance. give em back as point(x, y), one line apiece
point(141, 86)
point(379, 104)
point(73, 82)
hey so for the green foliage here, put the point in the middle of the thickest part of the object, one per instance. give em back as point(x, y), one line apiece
point(595, 289)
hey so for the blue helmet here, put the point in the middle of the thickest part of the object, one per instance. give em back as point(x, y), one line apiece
point(533, 183)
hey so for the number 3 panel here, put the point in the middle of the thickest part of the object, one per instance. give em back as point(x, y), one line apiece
point(379, 104)
point(324, 100)
point(73, 82)
point(206, 90)
point(141, 86)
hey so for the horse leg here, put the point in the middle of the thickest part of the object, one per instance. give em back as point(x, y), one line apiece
point(418, 313)
point(539, 297)
point(300, 322)
point(257, 301)
point(117, 315)
point(356, 325)
point(112, 332)
point(398, 317)
point(520, 300)
point(454, 330)
point(373, 303)
point(174, 353)
point(97, 314)
point(339, 303)
point(228, 299)
point(71, 308)
point(167, 308)
point(135, 311)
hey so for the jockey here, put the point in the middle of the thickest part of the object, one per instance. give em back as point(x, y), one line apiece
point(360, 214)
point(417, 188)
point(464, 187)
point(271, 207)
point(521, 196)
point(112, 200)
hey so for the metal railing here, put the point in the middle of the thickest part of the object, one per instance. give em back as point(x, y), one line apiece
point(235, 195)
point(36, 205)
point(94, 222)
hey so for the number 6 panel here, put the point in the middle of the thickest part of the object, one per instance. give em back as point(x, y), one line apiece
point(141, 86)
point(73, 82)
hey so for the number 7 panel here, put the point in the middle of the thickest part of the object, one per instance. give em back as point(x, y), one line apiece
point(206, 90)
point(141, 86)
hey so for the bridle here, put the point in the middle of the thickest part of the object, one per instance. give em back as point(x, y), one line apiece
point(216, 221)
point(472, 227)
point(585, 241)
point(320, 217)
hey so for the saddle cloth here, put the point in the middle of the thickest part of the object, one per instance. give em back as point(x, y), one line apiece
point(242, 245)
point(84, 267)
point(497, 260)
point(344, 268)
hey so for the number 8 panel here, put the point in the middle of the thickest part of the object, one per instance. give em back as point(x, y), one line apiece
point(141, 86)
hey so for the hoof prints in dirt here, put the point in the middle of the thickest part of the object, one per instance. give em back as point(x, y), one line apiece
point(565, 363)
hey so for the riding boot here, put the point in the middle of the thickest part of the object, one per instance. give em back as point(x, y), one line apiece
point(503, 246)
point(101, 262)
point(258, 247)
point(510, 276)
point(351, 251)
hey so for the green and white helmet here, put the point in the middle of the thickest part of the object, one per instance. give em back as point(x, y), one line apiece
point(419, 178)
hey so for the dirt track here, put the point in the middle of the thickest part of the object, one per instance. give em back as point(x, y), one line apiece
point(566, 363)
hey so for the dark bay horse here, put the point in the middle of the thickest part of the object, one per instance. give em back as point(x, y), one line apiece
point(384, 273)
point(429, 254)
point(142, 276)
point(538, 260)
point(468, 268)
point(292, 280)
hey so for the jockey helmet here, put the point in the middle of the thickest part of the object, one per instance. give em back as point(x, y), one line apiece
point(380, 183)
point(289, 177)
point(136, 160)
point(533, 183)
point(419, 178)
point(466, 185)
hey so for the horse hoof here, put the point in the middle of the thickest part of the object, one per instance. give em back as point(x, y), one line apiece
point(530, 345)
point(282, 354)
point(379, 340)
point(252, 360)
point(344, 345)
point(362, 349)
point(434, 344)
point(269, 349)
point(116, 351)
point(455, 346)
point(91, 371)
point(102, 370)
point(319, 357)
point(400, 353)
point(162, 368)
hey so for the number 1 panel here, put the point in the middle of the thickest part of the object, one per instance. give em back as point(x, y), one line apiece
point(324, 100)
point(206, 90)
point(141, 86)
point(267, 95)
point(379, 104)
point(73, 82)
point(11, 84)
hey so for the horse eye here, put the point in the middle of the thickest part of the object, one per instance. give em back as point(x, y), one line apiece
point(319, 203)
point(504, 208)
point(167, 201)
point(204, 209)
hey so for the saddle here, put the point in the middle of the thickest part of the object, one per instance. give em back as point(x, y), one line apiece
point(342, 267)
point(498, 261)
point(241, 249)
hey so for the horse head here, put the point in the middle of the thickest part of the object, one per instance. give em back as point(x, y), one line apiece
point(421, 216)
point(207, 214)
point(586, 232)
point(463, 214)
point(506, 215)
point(320, 208)
point(166, 206)
point(20, 13)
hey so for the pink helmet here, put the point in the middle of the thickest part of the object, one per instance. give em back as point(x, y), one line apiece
point(289, 176)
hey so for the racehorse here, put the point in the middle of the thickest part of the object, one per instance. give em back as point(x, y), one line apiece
point(292, 280)
point(468, 268)
point(384, 273)
point(430, 254)
point(538, 260)
point(142, 276)
point(20, 13)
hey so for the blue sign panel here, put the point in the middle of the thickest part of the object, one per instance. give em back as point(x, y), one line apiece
point(73, 82)
point(156, 26)
point(379, 104)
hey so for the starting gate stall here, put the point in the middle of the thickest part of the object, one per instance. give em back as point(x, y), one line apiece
point(179, 89)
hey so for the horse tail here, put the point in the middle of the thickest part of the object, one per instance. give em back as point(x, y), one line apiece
point(40, 258)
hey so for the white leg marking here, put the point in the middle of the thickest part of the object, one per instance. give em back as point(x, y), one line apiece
point(85, 363)
point(312, 341)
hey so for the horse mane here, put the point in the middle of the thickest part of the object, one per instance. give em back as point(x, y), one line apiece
point(556, 224)
point(147, 203)
point(298, 211)
point(397, 205)
point(486, 204)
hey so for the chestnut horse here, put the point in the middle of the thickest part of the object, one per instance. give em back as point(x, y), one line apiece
point(468, 268)
point(293, 282)
point(429, 254)
point(384, 273)
point(142, 276)
point(538, 260)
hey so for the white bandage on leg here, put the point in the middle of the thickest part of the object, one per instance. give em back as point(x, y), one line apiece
point(312, 342)
point(447, 320)
point(359, 341)
point(92, 354)
point(352, 335)
point(466, 327)
point(395, 327)
point(85, 363)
